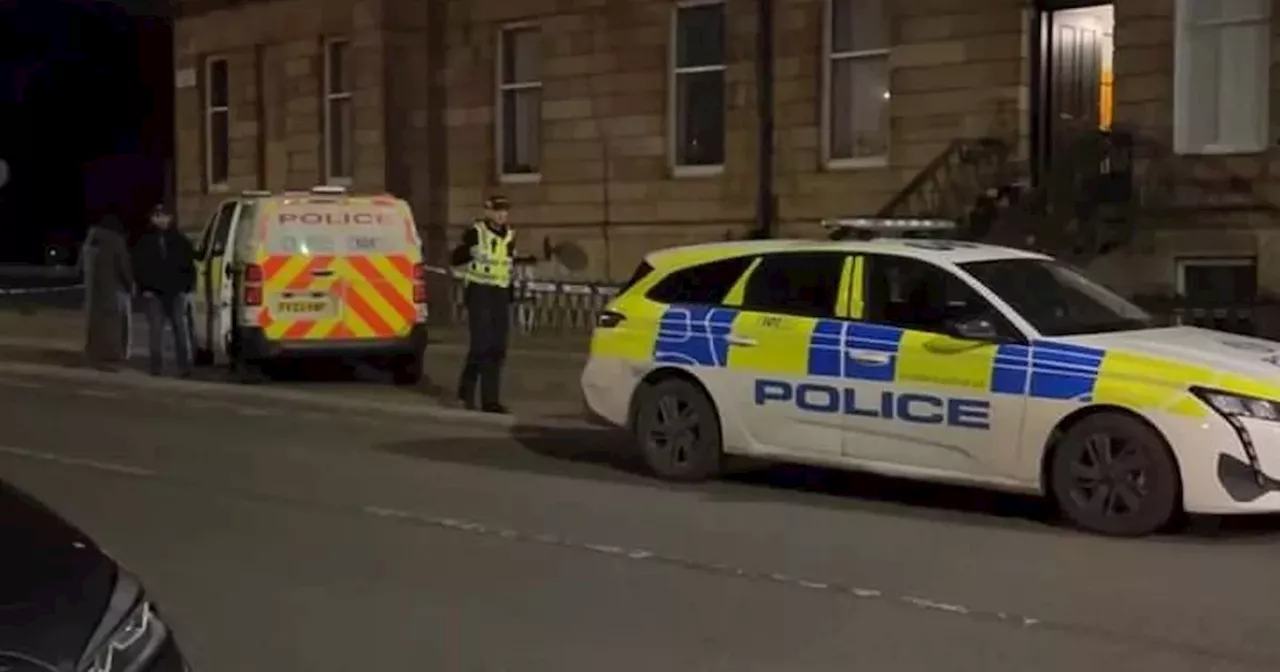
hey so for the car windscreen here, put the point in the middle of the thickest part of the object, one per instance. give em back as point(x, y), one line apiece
point(312, 228)
point(1056, 298)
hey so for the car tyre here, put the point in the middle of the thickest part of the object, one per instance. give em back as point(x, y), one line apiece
point(407, 370)
point(1114, 475)
point(677, 431)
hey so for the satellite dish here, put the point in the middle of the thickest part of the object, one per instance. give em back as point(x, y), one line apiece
point(4, 173)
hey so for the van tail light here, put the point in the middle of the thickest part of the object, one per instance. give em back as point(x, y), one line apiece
point(609, 319)
point(419, 284)
point(252, 285)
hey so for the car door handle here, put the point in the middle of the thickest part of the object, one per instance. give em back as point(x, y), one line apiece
point(734, 339)
point(870, 357)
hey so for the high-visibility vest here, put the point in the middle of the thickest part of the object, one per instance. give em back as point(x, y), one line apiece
point(490, 257)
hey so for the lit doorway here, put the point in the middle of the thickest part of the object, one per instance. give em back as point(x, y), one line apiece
point(1072, 74)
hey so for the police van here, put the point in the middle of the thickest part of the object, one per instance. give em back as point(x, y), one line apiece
point(937, 360)
point(319, 273)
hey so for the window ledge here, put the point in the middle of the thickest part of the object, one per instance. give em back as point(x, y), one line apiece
point(520, 178)
point(1222, 150)
point(858, 163)
point(697, 171)
point(220, 188)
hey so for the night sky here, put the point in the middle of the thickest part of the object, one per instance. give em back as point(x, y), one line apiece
point(86, 100)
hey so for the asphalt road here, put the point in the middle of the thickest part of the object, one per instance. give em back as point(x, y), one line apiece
point(288, 536)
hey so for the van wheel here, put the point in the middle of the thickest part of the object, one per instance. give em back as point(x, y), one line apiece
point(678, 432)
point(407, 370)
point(1113, 475)
point(245, 370)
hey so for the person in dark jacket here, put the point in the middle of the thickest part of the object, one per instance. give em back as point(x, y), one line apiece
point(486, 254)
point(108, 276)
point(164, 265)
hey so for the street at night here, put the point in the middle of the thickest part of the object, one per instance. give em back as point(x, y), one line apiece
point(298, 533)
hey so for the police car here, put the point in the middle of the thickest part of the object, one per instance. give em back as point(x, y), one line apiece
point(942, 361)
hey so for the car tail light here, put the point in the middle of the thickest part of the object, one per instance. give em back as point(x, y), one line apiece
point(419, 284)
point(252, 285)
point(609, 319)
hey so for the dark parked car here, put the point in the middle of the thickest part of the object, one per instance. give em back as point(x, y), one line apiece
point(65, 606)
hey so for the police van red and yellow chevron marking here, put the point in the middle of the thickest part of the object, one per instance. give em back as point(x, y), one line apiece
point(367, 296)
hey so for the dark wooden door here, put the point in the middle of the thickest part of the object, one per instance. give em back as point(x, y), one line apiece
point(1072, 53)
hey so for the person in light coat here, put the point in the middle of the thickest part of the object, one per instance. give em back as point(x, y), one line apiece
point(108, 278)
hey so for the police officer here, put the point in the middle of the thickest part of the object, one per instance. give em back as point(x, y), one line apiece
point(487, 253)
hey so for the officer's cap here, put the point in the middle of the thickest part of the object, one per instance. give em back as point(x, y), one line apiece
point(497, 203)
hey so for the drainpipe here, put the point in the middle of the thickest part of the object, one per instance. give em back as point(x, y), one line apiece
point(766, 200)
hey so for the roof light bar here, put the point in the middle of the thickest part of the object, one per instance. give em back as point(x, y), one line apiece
point(329, 190)
point(890, 224)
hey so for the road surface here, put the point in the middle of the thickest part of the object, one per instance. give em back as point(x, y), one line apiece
point(291, 536)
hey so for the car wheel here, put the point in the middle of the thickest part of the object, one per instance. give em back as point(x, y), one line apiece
point(678, 432)
point(407, 370)
point(1114, 475)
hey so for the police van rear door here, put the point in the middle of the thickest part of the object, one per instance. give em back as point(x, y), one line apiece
point(340, 267)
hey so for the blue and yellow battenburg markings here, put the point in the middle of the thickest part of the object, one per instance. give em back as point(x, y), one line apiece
point(698, 336)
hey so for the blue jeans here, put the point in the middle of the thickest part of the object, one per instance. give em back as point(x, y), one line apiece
point(168, 311)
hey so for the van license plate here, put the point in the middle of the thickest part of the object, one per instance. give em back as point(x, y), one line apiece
point(302, 307)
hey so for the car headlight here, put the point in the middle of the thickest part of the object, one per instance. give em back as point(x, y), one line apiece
point(130, 634)
point(1234, 405)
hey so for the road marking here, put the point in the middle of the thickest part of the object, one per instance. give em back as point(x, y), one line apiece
point(249, 410)
point(77, 461)
point(633, 554)
point(99, 394)
point(642, 555)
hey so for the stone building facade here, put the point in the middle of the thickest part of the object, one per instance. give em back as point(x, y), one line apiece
point(620, 126)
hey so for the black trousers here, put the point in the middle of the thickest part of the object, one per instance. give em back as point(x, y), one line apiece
point(489, 318)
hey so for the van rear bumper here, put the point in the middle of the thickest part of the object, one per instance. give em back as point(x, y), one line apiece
point(257, 346)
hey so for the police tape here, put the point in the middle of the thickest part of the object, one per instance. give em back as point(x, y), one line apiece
point(20, 291)
point(543, 286)
point(526, 285)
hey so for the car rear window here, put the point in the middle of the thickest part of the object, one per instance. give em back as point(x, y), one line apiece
point(702, 284)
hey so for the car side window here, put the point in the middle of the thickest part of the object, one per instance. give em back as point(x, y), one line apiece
point(705, 284)
point(222, 228)
point(913, 294)
point(796, 283)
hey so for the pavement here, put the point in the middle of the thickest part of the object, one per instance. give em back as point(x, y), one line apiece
point(540, 377)
point(279, 533)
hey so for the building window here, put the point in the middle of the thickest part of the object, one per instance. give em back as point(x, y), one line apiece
point(519, 141)
point(217, 123)
point(1219, 293)
point(698, 87)
point(1222, 72)
point(339, 126)
point(855, 110)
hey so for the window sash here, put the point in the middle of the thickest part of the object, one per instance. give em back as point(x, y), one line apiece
point(517, 124)
point(506, 41)
point(217, 148)
point(829, 91)
point(1214, 113)
point(332, 90)
point(677, 151)
point(217, 124)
